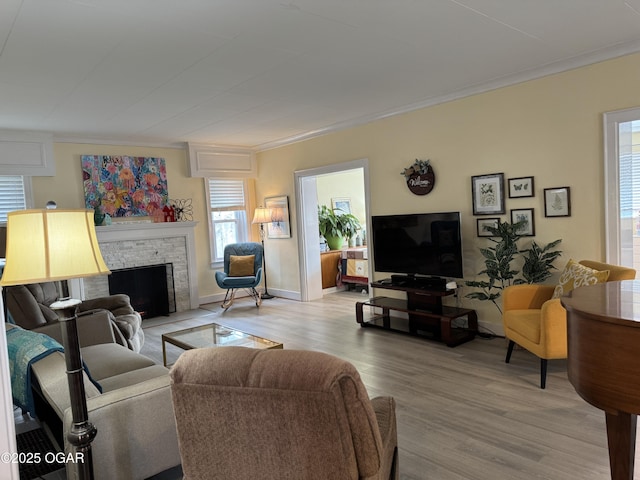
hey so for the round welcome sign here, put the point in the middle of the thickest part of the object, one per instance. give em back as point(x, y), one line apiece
point(420, 177)
point(421, 183)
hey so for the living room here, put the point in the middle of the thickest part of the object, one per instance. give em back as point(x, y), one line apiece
point(549, 128)
point(562, 113)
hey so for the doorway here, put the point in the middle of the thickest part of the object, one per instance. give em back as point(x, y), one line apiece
point(306, 192)
point(622, 187)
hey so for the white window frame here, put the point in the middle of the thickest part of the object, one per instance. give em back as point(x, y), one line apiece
point(613, 239)
point(28, 193)
point(243, 227)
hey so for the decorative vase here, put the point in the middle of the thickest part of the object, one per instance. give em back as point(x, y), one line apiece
point(98, 216)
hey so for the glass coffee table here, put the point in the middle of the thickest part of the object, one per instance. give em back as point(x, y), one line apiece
point(213, 335)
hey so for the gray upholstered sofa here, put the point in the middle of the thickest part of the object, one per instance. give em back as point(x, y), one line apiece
point(134, 414)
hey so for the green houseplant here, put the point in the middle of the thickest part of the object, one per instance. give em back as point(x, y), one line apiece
point(538, 261)
point(335, 226)
point(499, 258)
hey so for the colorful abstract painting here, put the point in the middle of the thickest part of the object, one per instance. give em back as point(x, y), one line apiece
point(124, 186)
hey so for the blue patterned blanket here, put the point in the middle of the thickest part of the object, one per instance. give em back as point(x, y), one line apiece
point(26, 347)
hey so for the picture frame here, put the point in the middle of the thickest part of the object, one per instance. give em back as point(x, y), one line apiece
point(557, 202)
point(482, 223)
point(519, 214)
point(341, 203)
point(488, 194)
point(521, 187)
point(280, 226)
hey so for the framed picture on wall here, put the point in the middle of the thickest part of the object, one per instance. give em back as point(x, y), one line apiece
point(488, 194)
point(343, 204)
point(524, 215)
point(279, 226)
point(521, 187)
point(483, 223)
point(141, 183)
point(557, 202)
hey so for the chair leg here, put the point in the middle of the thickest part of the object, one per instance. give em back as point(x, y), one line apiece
point(543, 372)
point(257, 296)
point(509, 351)
point(229, 298)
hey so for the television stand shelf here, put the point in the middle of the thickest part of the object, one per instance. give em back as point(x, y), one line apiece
point(427, 317)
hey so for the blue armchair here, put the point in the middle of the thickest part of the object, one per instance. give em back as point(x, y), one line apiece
point(242, 269)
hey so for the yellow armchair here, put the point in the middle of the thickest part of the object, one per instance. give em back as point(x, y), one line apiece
point(538, 323)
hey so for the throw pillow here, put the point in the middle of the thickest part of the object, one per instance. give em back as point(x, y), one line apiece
point(576, 275)
point(241, 265)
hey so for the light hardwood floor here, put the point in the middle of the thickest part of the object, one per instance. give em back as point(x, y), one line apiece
point(462, 412)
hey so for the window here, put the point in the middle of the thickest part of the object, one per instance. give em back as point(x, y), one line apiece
point(622, 187)
point(227, 214)
point(15, 194)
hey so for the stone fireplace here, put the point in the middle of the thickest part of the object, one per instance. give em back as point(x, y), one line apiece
point(129, 244)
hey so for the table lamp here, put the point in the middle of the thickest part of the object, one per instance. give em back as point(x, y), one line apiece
point(261, 216)
point(51, 245)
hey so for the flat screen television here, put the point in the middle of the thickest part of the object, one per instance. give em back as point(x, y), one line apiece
point(418, 244)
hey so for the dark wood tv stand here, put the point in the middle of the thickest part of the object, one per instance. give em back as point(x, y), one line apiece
point(427, 316)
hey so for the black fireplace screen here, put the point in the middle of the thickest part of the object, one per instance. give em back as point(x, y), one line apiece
point(151, 288)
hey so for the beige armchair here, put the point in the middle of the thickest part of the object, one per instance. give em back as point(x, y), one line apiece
point(279, 414)
point(537, 322)
point(29, 308)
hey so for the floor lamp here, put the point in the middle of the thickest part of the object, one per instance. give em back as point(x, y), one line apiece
point(52, 245)
point(261, 216)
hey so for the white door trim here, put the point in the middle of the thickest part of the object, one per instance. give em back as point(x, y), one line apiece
point(307, 224)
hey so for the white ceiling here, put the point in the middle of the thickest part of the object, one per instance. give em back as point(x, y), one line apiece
point(262, 73)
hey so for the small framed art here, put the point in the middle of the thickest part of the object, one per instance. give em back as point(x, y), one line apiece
point(488, 194)
point(341, 204)
point(524, 215)
point(279, 226)
point(557, 202)
point(521, 187)
point(483, 223)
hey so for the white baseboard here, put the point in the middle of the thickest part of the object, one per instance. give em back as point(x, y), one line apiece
point(219, 297)
point(288, 294)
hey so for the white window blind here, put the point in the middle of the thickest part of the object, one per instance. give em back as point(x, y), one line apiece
point(227, 215)
point(226, 194)
point(12, 195)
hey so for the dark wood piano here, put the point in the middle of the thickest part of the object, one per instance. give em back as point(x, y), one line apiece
point(603, 330)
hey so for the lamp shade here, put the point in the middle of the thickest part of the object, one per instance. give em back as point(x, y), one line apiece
point(262, 215)
point(49, 245)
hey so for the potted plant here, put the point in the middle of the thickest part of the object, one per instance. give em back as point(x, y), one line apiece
point(335, 226)
point(538, 261)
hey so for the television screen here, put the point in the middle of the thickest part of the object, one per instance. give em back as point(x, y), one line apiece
point(421, 243)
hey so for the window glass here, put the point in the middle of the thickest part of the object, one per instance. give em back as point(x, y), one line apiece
point(228, 214)
point(622, 188)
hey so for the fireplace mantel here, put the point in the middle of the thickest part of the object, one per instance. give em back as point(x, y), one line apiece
point(144, 230)
point(140, 231)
